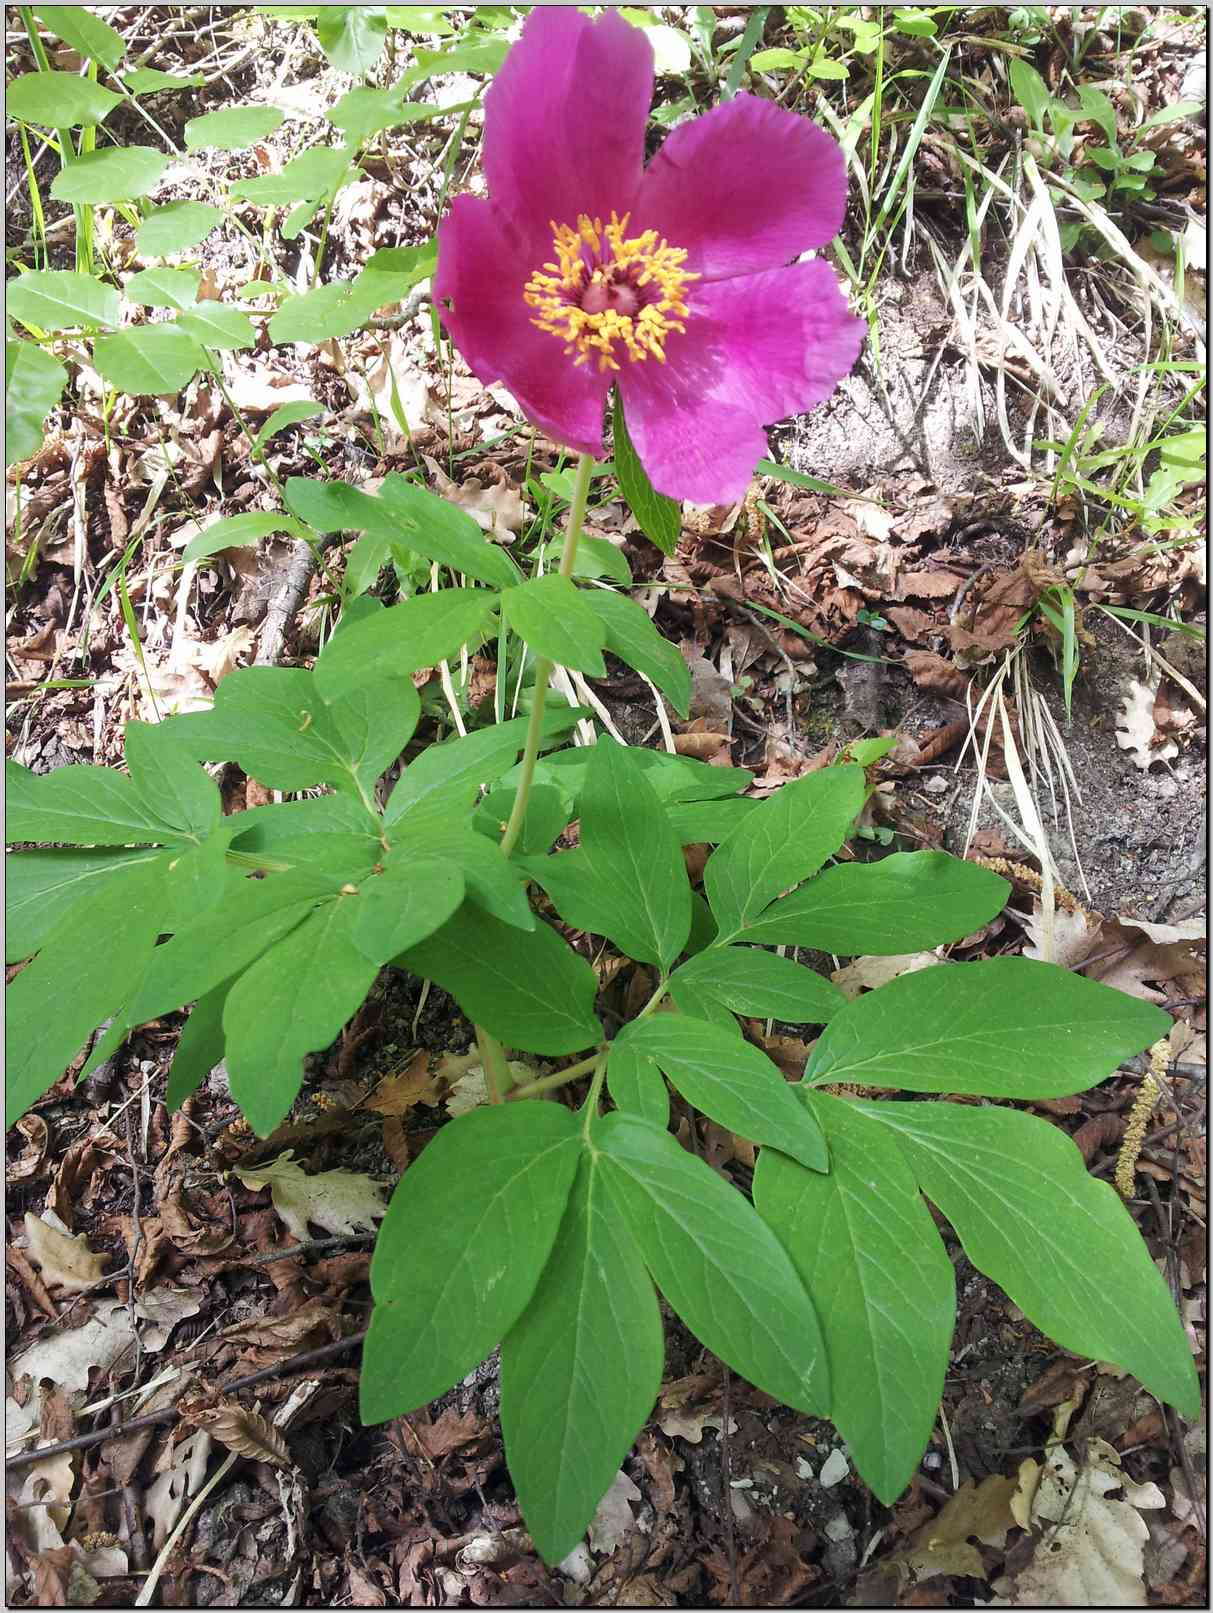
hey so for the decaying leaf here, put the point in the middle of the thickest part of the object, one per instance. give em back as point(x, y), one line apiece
point(181, 1476)
point(1136, 730)
point(65, 1260)
point(944, 1545)
point(244, 1431)
point(1089, 1549)
point(338, 1201)
point(1128, 954)
point(614, 1519)
point(865, 974)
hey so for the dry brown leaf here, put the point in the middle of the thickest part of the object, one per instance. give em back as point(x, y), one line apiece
point(865, 974)
point(64, 1260)
point(940, 676)
point(944, 1545)
point(339, 1201)
point(1076, 936)
point(448, 1432)
point(243, 1431)
point(704, 747)
point(418, 1082)
point(929, 584)
point(1135, 728)
point(37, 1138)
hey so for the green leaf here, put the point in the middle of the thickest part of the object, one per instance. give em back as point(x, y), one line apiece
point(175, 227)
point(150, 360)
point(709, 822)
point(89, 35)
point(57, 299)
point(439, 530)
point(823, 67)
point(528, 988)
point(869, 1254)
point(239, 531)
point(332, 506)
point(904, 903)
point(78, 805)
point(33, 385)
point(266, 828)
point(636, 1085)
point(363, 112)
point(422, 631)
point(283, 419)
point(716, 1261)
point(404, 905)
point(327, 313)
point(291, 1002)
point(445, 780)
point(761, 983)
point(548, 810)
point(121, 174)
point(788, 838)
point(580, 1368)
point(777, 59)
point(80, 977)
point(492, 881)
point(1057, 1241)
point(163, 288)
point(1006, 1028)
point(216, 326)
point(352, 36)
point(273, 722)
point(199, 1047)
point(550, 614)
point(150, 80)
point(58, 100)
point(484, 58)
point(631, 636)
point(629, 848)
point(595, 557)
point(172, 786)
point(1030, 90)
point(42, 887)
point(659, 517)
point(233, 128)
point(489, 1191)
point(696, 1003)
point(305, 178)
point(730, 1081)
point(1172, 113)
point(1099, 110)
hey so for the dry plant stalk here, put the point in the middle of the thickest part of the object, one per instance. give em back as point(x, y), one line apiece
point(1144, 1105)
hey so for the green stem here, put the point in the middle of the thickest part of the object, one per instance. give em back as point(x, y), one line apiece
point(558, 1078)
point(589, 1108)
point(543, 667)
point(497, 1076)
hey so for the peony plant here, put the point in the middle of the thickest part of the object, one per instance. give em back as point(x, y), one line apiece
point(539, 1223)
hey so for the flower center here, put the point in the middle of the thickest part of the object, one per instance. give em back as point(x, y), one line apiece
point(604, 289)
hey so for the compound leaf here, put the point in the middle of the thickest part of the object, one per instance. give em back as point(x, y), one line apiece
point(420, 632)
point(461, 1249)
point(78, 805)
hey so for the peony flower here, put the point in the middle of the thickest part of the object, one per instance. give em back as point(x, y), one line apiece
point(673, 282)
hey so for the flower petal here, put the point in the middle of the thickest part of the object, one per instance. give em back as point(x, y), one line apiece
point(482, 268)
point(564, 120)
point(756, 349)
point(746, 187)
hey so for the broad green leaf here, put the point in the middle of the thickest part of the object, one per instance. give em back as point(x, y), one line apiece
point(195, 877)
point(333, 506)
point(461, 1249)
point(199, 1047)
point(150, 360)
point(42, 887)
point(445, 780)
point(548, 810)
point(595, 557)
point(80, 977)
point(91, 36)
point(709, 822)
point(439, 530)
point(170, 784)
point(210, 323)
point(550, 614)
point(659, 517)
point(325, 314)
point(150, 81)
point(730, 1081)
point(1097, 107)
point(636, 1085)
point(163, 288)
point(493, 882)
point(266, 828)
point(175, 227)
point(58, 100)
point(233, 128)
point(33, 385)
point(291, 1002)
point(628, 846)
point(696, 1003)
point(528, 988)
point(239, 531)
point(716, 1261)
point(393, 271)
point(483, 58)
point(352, 36)
point(1059, 1243)
point(121, 174)
point(631, 636)
point(363, 112)
point(420, 632)
point(404, 905)
point(1030, 90)
point(680, 778)
point(761, 983)
point(274, 723)
point(283, 419)
point(871, 1257)
point(1006, 1028)
point(78, 805)
point(57, 299)
point(903, 903)
point(788, 838)
point(305, 178)
point(580, 1368)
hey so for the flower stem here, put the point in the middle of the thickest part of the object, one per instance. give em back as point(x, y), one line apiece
point(543, 667)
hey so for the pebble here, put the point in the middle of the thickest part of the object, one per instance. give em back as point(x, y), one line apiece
point(834, 1469)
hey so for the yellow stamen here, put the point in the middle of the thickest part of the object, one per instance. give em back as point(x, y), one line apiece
point(646, 266)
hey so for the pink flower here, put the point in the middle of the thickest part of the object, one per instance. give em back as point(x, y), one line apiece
point(675, 281)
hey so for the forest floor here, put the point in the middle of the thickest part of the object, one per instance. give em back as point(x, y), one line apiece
point(918, 539)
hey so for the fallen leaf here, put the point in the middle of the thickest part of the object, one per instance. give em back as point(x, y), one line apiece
point(866, 974)
point(339, 1201)
point(181, 1476)
point(244, 1431)
point(614, 1520)
point(65, 1355)
point(1135, 727)
point(63, 1259)
point(944, 1545)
